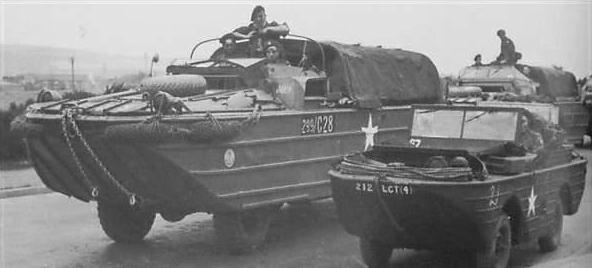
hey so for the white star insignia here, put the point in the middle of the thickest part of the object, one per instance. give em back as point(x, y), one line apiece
point(531, 202)
point(370, 131)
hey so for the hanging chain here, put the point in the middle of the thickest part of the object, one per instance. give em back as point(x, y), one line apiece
point(69, 118)
point(67, 113)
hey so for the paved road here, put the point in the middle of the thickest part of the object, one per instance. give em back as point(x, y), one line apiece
point(50, 230)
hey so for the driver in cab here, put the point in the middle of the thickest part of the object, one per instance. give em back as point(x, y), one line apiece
point(274, 53)
point(229, 49)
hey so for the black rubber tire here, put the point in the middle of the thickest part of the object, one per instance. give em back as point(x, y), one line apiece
point(551, 241)
point(244, 231)
point(181, 85)
point(375, 254)
point(497, 253)
point(123, 223)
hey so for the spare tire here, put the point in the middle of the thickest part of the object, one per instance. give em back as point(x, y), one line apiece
point(177, 85)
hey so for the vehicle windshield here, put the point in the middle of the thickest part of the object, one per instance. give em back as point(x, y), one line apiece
point(461, 124)
point(226, 63)
point(298, 50)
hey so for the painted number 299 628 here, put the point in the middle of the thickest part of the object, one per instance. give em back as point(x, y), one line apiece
point(318, 124)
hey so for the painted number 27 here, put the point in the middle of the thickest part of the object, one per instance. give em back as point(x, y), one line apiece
point(415, 142)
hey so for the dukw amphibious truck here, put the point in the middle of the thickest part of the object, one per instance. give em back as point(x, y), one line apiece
point(235, 137)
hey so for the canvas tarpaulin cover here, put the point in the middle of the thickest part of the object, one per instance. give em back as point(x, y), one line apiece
point(379, 76)
point(548, 81)
point(554, 83)
point(373, 76)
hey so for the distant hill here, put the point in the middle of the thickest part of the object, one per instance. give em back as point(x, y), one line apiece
point(23, 59)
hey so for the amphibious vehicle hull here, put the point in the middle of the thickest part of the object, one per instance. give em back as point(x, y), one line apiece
point(282, 157)
point(441, 215)
point(391, 211)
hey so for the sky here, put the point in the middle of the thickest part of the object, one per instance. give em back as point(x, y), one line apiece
point(449, 32)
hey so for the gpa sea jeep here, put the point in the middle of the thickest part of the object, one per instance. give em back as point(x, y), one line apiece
point(470, 179)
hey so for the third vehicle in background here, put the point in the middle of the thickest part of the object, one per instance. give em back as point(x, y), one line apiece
point(548, 92)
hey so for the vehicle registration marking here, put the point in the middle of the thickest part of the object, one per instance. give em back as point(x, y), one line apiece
point(318, 124)
point(415, 142)
point(391, 189)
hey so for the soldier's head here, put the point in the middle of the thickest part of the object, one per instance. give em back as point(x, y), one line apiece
point(501, 33)
point(523, 122)
point(477, 58)
point(258, 16)
point(228, 42)
point(273, 51)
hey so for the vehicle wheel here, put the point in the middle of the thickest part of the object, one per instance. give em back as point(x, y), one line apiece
point(497, 254)
point(375, 254)
point(243, 231)
point(123, 223)
point(551, 241)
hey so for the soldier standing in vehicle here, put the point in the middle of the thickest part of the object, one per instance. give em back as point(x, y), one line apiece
point(508, 51)
point(259, 31)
